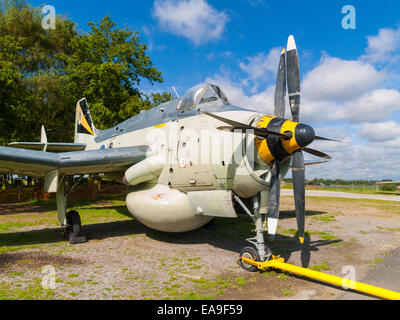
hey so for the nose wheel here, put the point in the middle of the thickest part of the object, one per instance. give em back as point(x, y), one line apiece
point(249, 253)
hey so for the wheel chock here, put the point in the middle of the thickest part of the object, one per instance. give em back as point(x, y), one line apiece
point(279, 263)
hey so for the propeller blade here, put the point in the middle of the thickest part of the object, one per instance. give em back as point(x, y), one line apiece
point(273, 202)
point(293, 78)
point(280, 89)
point(325, 139)
point(317, 153)
point(257, 131)
point(242, 126)
point(299, 190)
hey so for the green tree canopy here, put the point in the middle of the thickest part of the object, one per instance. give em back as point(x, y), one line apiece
point(43, 73)
point(106, 67)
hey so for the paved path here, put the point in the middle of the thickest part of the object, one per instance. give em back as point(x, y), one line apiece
point(335, 194)
point(385, 275)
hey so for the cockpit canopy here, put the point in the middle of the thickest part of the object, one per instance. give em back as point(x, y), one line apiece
point(200, 94)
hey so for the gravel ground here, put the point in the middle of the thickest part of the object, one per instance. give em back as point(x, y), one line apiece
point(125, 260)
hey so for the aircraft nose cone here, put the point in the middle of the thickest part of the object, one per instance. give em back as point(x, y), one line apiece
point(304, 135)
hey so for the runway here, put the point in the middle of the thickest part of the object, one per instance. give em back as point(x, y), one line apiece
point(336, 194)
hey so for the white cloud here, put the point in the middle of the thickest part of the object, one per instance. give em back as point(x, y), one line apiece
point(379, 132)
point(384, 46)
point(376, 105)
point(335, 90)
point(357, 161)
point(262, 102)
point(193, 19)
point(340, 80)
point(373, 106)
point(260, 67)
point(354, 101)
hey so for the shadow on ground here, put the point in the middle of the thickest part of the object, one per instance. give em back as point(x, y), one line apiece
point(227, 234)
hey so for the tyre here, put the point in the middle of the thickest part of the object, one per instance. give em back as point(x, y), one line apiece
point(249, 253)
point(74, 225)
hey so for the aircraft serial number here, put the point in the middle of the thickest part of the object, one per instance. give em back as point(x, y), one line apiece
point(221, 309)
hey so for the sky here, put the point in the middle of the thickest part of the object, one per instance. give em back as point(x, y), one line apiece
point(350, 76)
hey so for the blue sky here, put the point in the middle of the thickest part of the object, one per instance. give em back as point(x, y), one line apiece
point(350, 78)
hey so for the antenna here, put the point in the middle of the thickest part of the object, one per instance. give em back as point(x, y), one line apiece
point(176, 92)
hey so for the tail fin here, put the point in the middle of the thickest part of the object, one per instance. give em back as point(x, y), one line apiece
point(85, 130)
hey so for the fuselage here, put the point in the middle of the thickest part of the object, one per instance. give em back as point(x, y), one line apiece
point(191, 162)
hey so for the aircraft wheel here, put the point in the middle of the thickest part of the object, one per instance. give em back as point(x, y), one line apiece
point(74, 227)
point(249, 253)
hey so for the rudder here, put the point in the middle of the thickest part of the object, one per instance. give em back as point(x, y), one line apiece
point(85, 130)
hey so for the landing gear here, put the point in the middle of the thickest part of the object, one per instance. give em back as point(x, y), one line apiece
point(73, 228)
point(262, 253)
point(71, 221)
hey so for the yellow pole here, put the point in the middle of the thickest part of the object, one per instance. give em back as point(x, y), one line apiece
point(278, 263)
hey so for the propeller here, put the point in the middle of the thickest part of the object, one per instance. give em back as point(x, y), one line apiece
point(273, 202)
point(292, 77)
point(288, 80)
point(325, 139)
point(299, 190)
point(317, 153)
point(280, 90)
point(304, 136)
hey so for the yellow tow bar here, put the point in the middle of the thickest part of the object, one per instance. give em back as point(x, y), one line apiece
point(279, 263)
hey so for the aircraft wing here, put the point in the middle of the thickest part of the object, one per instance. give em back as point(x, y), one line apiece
point(38, 163)
point(51, 147)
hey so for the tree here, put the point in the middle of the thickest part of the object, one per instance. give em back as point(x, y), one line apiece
point(43, 73)
point(31, 69)
point(160, 98)
point(106, 67)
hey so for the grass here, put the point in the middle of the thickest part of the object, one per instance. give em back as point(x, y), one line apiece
point(324, 266)
point(325, 218)
point(283, 276)
point(327, 236)
point(212, 288)
point(363, 201)
point(13, 239)
point(30, 290)
point(12, 226)
point(390, 229)
point(377, 261)
point(286, 292)
point(349, 189)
